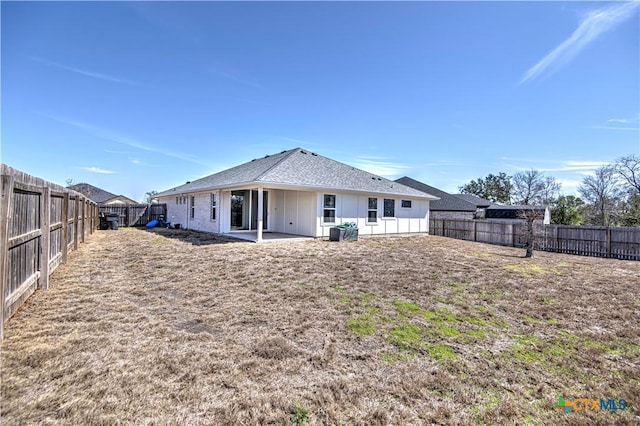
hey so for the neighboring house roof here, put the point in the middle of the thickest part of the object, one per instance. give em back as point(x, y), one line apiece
point(98, 195)
point(299, 168)
point(447, 202)
point(512, 211)
point(479, 202)
point(515, 207)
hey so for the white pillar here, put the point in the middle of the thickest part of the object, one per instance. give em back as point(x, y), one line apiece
point(260, 208)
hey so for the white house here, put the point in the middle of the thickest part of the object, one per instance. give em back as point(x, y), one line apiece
point(297, 192)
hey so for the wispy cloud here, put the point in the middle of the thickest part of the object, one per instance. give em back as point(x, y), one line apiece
point(236, 79)
point(380, 166)
point(444, 163)
point(633, 129)
point(595, 24)
point(141, 163)
point(544, 165)
point(627, 124)
point(84, 72)
point(98, 170)
point(126, 140)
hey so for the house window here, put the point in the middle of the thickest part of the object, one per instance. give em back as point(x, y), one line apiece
point(372, 210)
point(193, 207)
point(213, 206)
point(405, 204)
point(389, 208)
point(329, 212)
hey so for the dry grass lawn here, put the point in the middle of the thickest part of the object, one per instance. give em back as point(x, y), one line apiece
point(175, 327)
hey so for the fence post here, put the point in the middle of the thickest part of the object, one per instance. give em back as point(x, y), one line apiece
point(608, 241)
point(76, 227)
point(83, 202)
point(45, 237)
point(475, 232)
point(5, 216)
point(65, 227)
point(513, 235)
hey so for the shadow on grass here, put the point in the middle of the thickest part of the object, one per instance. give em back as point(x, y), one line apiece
point(192, 237)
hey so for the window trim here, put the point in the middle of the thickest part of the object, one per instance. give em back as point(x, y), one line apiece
point(192, 206)
point(214, 207)
point(325, 208)
point(384, 210)
point(369, 210)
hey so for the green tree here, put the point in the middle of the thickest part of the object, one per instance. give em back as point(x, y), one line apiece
point(630, 211)
point(495, 188)
point(567, 210)
point(150, 197)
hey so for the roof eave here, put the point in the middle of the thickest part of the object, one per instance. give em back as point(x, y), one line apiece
point(286, 186)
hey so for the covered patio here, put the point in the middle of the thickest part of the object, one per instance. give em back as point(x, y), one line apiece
point(267, 237)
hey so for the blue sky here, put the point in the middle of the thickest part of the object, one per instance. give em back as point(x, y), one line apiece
point(133, 97)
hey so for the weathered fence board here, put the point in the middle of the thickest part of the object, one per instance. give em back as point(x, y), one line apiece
point(135, 214)
point(597, 241)
point(39, 221)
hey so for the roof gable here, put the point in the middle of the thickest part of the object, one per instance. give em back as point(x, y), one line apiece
point(98, 195)
point(300, 168)
point(93, 193)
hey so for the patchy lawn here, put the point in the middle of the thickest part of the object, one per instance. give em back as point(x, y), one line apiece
point(174, 327)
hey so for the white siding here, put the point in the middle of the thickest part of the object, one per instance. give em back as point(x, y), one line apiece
point(292, 212)
point(353, 208)
point(301, 212)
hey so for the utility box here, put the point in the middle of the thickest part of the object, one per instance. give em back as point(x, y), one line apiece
point(336, 234)
point(344, 232)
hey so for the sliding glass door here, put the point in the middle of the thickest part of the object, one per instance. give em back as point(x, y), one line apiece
point(244, 210)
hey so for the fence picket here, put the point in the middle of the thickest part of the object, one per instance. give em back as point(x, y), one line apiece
point(39, 221)
point(597, 241)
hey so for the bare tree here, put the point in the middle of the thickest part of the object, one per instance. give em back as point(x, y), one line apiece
point(550, 191)
point(602, 192)
point(628, 169)
point(533, 189)
point(528, 187)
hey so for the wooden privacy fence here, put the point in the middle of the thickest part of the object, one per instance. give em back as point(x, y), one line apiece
point(597, 241)
point(39, 223)
point(135, 214)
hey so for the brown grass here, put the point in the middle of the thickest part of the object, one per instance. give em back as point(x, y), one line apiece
point(175, 327)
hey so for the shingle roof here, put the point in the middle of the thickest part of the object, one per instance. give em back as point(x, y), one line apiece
point(515, 207)
point(96, 194)
point(447, 202)
point(93, 193)
point(299, 168)
point(479, 202)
